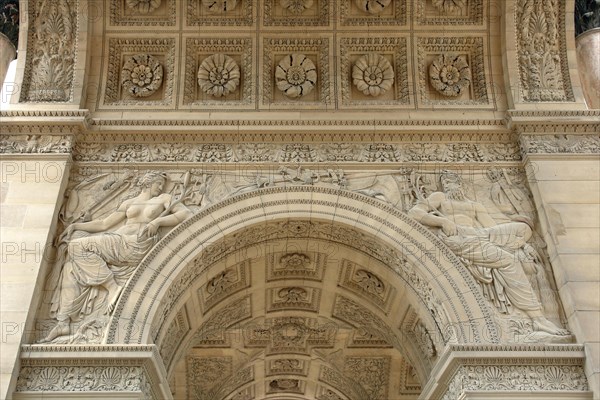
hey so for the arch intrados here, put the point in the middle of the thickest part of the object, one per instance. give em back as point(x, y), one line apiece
point(144, 295)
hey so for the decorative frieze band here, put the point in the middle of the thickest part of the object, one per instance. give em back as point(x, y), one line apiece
point(297, 152)
point(91, 369)
point(36, 144)
point(560, 144)
point(508, 368)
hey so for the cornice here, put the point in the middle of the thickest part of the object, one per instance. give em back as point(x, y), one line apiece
point(556, 121)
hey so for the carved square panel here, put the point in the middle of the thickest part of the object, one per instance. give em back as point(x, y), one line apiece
point(294, 63)
point(127, 59)
point(224, 284)
point(452, 72)
point(374, 71)
point(293, 298)
point(370, 13)
point(130, 13)
point(450, 12)
point(305, 265)
point(366, 284)
point(284, 366)
point(372, 372)
point(207, 13)
point(217, 71)
point(307, 13)
point(203, 373)
point(409, 380)
point(285, 385)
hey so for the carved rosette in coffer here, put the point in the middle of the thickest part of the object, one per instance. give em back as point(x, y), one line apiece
point(384, 13)
point(450, 12)
point(310, 57)
point(204, 74)
point(374, 72)
point(219, 13)
point(124, 13)
point(309, 13)
point(366, 284)
point(223, 284)
point(139, 73)
point(452, 72)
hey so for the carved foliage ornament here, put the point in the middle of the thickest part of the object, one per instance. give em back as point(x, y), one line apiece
point(296, 6)
point(372, 6)
point(218, 75)
point(141, 75)
point(296, 75)
point(143, 6)
point(450, 74)
point(373, 74)
point(219, 6)
point(450, 6)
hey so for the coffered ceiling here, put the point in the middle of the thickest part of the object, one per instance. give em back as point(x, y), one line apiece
point(314, 56)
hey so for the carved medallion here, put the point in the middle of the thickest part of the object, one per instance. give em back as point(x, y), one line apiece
point(373, 6)
point(450, 6)
point(219, 6)
point(141, 75)
point(450, 74)
point(218, 75)
point(296, 75)
point(373, 74)
point(296, 7)
point(143, 6)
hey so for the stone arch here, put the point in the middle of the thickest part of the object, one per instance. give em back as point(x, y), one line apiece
point(434, 264)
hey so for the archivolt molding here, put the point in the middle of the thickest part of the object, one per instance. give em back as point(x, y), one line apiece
point(346, 208)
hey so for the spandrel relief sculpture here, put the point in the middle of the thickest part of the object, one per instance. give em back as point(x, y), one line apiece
point(100, 249)
point(499, 255)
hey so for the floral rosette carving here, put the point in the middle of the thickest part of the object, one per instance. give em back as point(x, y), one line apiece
point(141, 75)
point(143, 6)
point(450, 6)
point(218, 75)
point(450, 75)
point(296, 75)
point(296, 7)
point(373, 6)
point(219, 6)
point(373, 74)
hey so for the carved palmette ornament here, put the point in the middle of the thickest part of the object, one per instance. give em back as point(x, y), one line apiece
point(143, 6)
point(373, 74)
point(296, 75)
point(141, 75)
point(372, 6)
point(296, 6)
point(450, 6)
point(218, 75)
point(450, 74)
point(219, 6)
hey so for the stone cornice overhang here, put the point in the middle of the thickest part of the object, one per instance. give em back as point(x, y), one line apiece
point(454, 357)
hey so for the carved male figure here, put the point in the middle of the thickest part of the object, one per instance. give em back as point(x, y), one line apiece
point(106, 260)
point(495, 253)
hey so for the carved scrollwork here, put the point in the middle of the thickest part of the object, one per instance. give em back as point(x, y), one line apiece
point(296, 75)
point(373, 74)
point(373, 6)
point(450, 74)
point(142, 75)
point(296, 7)
point(143, 6)
point(219, 6)
point(450, 6)
point(218, 75)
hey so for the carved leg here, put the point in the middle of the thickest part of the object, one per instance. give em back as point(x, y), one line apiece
point(542, 324)
point(60, 329)
point(114, 291)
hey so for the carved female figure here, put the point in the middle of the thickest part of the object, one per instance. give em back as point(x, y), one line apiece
point(98, 262)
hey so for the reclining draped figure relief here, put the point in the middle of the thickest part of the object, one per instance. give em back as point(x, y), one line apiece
point(111, 223)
